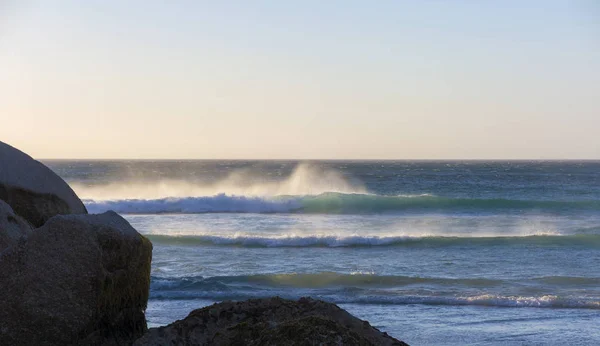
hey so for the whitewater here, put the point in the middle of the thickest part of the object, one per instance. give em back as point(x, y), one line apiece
point(452, 252)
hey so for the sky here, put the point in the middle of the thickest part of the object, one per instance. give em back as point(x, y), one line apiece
point(301, 79)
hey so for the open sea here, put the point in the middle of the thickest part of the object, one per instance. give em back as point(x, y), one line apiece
point(434, 253)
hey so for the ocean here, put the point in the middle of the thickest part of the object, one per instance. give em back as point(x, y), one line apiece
point(434, 253)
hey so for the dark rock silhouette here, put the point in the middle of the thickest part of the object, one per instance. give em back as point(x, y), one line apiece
point(271, 321)
point(32, 190)
point(12, 227)
point(79, 279)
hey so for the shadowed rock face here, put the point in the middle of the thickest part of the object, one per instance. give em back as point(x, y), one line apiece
point(83, 279)
point(79, 279)
point(36, 208)
point(33, 190)
point(12, 227)
point(272, 321)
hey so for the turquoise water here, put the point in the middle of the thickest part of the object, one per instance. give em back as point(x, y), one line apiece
point(432, 252)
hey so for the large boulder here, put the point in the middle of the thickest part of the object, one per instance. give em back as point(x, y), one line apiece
point(272, 321)
point(12, 227)
point(32, 189)
point(79, 279)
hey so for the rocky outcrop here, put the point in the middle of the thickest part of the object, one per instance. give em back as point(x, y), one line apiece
point(32, 190)
point(78, 279)
point(83, 279)
point(272, 321)
point(12, 227)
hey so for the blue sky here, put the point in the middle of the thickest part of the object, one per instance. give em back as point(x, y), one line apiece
point(301, 79)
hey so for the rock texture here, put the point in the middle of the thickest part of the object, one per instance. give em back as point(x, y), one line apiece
point(79, 279)
point(83, 279)
point(272, 321)
point(32, 189)
point(12, 227)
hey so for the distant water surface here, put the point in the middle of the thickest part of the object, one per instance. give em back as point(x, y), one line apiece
point(434, 253)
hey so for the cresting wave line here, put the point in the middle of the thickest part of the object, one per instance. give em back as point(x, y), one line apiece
point(243, 287)
point(583, 240)
point(326, 203)
point(332, 279)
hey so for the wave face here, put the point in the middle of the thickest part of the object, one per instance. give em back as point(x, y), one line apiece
point(314, 280)
point(582, 240)
point(327, 203)
point(373, 289)
point(194, 205)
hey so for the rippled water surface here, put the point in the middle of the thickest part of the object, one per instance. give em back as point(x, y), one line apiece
point(432, 252)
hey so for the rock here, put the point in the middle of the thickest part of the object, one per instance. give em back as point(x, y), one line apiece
point(32, 189)
point(272, 321)
point(79, 279)
point(12, 227)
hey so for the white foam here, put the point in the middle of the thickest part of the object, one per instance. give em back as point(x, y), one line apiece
point(214, 204)
point(304, 241)
point(341, 240)
point(545, 301)
point(213, 288)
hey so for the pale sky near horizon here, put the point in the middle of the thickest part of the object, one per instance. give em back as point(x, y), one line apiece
point(301, 79)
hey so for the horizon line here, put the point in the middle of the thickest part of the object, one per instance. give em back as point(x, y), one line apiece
point(320, 159)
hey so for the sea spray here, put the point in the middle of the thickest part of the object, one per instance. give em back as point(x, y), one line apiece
point(305, 179)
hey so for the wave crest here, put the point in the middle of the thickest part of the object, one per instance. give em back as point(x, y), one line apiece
point(365, 289)
point(325, 203)
point(194, 205)
point(585, 240)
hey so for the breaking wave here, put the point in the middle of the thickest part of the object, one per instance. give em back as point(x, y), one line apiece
point(325, 203)
point(584, 240)
point(317, 280)
point(194, 205)
point(306, 179)
point(366, 289)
